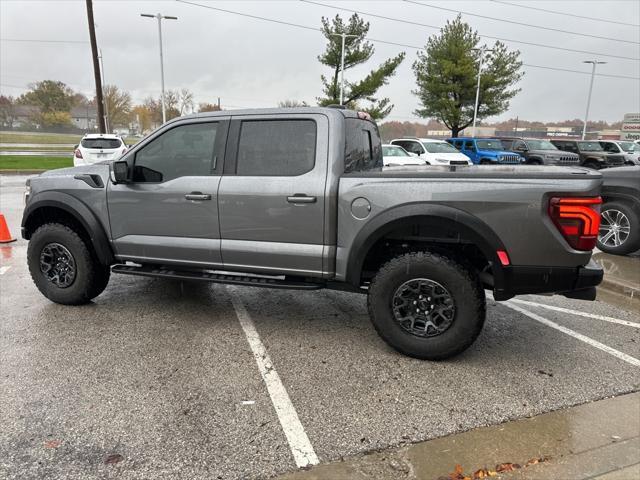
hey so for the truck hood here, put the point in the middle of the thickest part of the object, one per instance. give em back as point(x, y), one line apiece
point(496, 152)
point(101, 169)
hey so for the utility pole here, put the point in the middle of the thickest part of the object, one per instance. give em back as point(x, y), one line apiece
point(96, 67)
point(475, 109)
point(344, 36)
point(593, 74)
point(160, 17)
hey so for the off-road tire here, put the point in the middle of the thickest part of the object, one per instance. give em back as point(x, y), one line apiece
point(464, 287)
point(91, 278)
point(632, 242)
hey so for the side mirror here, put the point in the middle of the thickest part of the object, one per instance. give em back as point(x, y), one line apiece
point(120, 171)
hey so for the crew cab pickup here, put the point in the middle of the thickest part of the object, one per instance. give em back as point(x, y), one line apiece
point(298, 199)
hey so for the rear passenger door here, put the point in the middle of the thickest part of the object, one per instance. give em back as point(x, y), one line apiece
point(272, 194)
point(469, 149)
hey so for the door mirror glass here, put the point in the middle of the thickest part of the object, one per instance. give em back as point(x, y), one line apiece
point(120, 172)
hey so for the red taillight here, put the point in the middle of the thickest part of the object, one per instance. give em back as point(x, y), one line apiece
point(578, 219)
point(77, 153)
point(503, 257)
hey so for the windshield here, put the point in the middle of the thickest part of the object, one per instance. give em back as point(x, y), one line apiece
point(439, 147)
point(541, 145)
point(630, 147)
point(394, 152)
point(489, 144)
point(590, 147)
point(101, 143)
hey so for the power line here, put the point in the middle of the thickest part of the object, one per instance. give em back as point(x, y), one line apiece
point(484, 36)
point(390, 43)
point(522, 23)
point(32, 40)
point(566, 14)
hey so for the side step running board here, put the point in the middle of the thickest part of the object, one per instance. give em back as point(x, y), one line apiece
point(148, 271)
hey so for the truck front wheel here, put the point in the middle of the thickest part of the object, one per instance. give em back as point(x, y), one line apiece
point(426, 305)
point(62, 265)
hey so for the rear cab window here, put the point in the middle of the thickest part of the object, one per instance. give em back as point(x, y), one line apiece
point(363, 148)
point(101, 143)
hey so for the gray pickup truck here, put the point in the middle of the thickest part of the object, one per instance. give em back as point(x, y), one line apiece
point(298, 199)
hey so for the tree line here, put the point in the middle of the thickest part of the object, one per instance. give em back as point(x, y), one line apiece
point(446, 73)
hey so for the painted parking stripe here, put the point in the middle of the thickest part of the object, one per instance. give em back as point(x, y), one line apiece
point(577, 312)
point(4, 270)
point(299, 443)
point(583, 338)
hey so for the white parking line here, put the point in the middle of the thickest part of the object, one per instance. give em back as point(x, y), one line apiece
point(583, 338)
point(579, 313)
point(299, 443)
point(4, 270)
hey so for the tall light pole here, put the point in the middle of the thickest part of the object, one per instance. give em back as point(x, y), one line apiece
point(593, 74)
point(106, 109)
point(160, 17)
point(344, 36)
point(475, 109)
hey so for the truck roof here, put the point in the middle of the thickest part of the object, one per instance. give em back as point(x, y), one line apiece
point(273, 111)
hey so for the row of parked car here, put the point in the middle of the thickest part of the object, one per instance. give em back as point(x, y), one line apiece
point(594, 154)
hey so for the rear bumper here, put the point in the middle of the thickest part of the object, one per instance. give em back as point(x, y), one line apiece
point(572, 282)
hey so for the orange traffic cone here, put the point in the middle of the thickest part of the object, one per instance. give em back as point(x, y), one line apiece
point(5, 234)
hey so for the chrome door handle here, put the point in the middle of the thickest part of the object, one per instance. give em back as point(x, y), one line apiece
point(197, 196)
point(301, 198)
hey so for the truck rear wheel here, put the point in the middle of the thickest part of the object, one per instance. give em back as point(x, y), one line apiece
point(62, 266)
point(426, 305)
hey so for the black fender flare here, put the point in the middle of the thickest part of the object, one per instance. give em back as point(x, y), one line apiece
point(80, 212)
point(471, 229)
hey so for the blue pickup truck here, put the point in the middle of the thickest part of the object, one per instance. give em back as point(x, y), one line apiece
point(486, 151)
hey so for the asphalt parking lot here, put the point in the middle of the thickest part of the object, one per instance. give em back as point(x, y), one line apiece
point(163, 379)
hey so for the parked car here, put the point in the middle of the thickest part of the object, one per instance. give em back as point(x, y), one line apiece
point(98, 147)
point(620, 211)
point(485, 151)
point(396, 155)
point(433, 152)
point(298, 199)
point(538, 151)
point(630, 150)
point(591, 153)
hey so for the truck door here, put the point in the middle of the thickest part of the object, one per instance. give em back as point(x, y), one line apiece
point(168, 213)
point(272, 194)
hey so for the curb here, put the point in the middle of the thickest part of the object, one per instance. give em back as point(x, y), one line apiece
point(620, 287)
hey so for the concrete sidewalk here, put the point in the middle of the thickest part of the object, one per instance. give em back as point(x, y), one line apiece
point(599, 440)
point(621, 283)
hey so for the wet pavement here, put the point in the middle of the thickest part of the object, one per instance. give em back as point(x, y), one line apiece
point(157, 379)
point(599, 440)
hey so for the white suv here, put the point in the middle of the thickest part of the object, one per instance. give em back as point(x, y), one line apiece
point(98, 147)
point(433, 152)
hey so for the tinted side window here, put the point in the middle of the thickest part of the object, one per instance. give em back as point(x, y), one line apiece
point(518, 145)
point(276, 147)
point(183, 151)
point(468, 145)
point(609, 147)
point(363, 150)
point(507, 144)
point(457, 144)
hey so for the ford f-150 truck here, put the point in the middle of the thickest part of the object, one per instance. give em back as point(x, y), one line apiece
point(298, 199)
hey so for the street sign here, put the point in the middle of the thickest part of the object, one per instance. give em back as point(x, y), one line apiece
point(630, 127)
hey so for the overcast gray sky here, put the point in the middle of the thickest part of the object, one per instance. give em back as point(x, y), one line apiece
point(254, 63)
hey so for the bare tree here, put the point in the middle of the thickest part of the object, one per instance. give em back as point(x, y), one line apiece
point(292, 104)
point(186, 101)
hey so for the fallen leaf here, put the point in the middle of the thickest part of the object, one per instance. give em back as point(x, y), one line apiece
point(52, 444)
point(507, 467)
point(458, 474)
point(114, 458)
point(484, 473)
point(535, 461)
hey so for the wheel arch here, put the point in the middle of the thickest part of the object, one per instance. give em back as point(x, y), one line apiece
point(447, 226)
point(51, 206)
